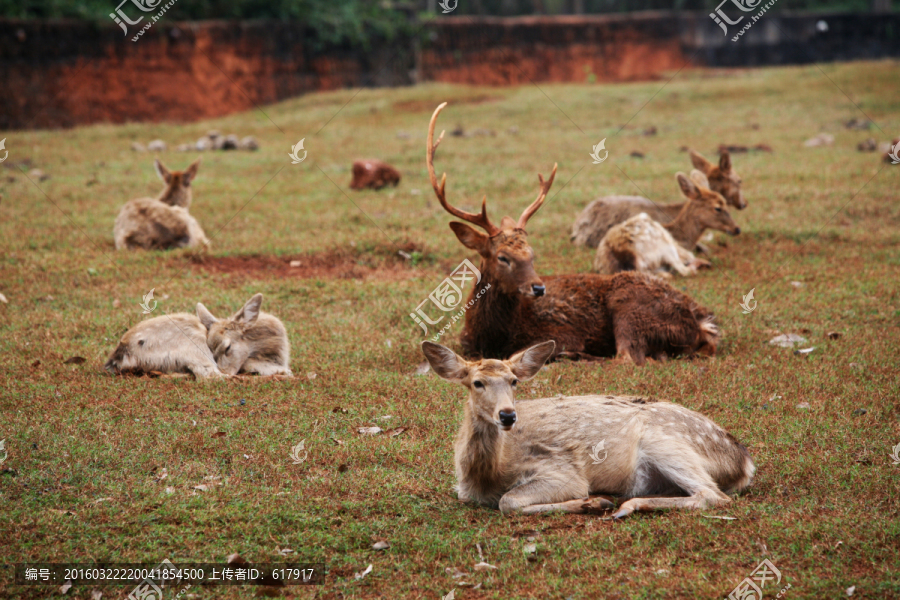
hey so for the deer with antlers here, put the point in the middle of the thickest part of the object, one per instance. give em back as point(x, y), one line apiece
point(630, 315)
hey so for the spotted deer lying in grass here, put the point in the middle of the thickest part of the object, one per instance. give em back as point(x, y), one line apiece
point(602, 214)
point(169, 344)
point(632, 315)
point(535, 456)
point(249, 341)
point(642, 244)
point(164, 222)
point(373, 174)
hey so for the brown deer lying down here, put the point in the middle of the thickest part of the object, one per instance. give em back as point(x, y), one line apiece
point(164, 222)
point(642, 244)
point(632, 315)
point(250, 341)
point(373, 174)
point(600, 215)
point(547, 454)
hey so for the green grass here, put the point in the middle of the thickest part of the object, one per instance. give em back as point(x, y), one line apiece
point(823, 506)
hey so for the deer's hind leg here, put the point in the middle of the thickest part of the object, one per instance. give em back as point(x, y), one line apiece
point(702, 498)
point(564, 490)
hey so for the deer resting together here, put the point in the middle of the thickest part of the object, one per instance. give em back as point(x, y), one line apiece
point(603, 213)
point(535, 456)
point(632, 315)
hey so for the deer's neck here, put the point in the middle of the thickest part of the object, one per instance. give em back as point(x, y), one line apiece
point(685, 228)
point(175, 196)
point(479, 472)
point(491, 319)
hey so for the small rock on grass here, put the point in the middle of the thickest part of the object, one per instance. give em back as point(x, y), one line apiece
point(787, 340)
point(380, 545)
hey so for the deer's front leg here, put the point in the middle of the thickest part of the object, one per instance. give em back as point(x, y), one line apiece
point(563, 489)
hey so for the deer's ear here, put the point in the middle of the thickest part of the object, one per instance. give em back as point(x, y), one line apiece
point(699, 179)
point(162, 171)
point(471, 239)
point(445, 362)
point(190, 173)
point(725, 162)
point(687, 186)
point(250, 311)
point(205, 316)
point(700, 163)
point(527, 363)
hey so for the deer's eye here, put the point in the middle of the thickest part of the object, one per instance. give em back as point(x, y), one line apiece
point(504, 260)
point(478, 385)
point(718, 209)
point(514, 382)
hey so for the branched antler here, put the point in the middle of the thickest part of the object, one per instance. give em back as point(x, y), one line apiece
point(545, 187)
point(475, 219)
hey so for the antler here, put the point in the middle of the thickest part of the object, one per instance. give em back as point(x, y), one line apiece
point(475, 219)
point(545, 187)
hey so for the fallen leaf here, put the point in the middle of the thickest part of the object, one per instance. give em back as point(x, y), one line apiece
point(62, 512)
point(35, 364)
point(423, 367)
point(369, 430)
point(116, 303)
point(202, 487)
point(96, 595)
point(787, 340)
point(338, 409)
point(99, 500)
point(343, 468)
point(286, 551)
point(337, 441)
point(833, 335)
point(723, 518)
point(295, 263)
point(797, 284)
point(396, 431)
point(162, 474)
point(838, 544)
point(529, 548)
point(662, 572)
point(74, 360)
point(65, 587)
point(851, 590)
point(859, 412)
point(3, 299)
point(804, 351)
point(311, 376)
point(483, 566)
point(803, 405)
point(235, 559)
point(455, 573)
point(170, 490)
point(359, 576)
point(269, 591)
point(219, 434)
point(380, 545)
point(450, 596)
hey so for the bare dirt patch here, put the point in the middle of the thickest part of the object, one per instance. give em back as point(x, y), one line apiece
point(382, 263)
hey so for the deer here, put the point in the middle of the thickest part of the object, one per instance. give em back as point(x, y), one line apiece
point(168, 344)
point(163, 222)
point(629, 315)
point(603, 213)
point(249, 341)
point(373, 173)
point(642, 244)
point(552, 454)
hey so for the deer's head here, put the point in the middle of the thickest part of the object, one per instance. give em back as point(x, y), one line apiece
point(178, 183)
point(491, 383)
point(708, 208)
point(506, 255)
point(722, 178)
point(227, 338)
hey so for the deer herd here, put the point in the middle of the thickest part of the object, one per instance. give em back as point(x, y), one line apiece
point(526, 456)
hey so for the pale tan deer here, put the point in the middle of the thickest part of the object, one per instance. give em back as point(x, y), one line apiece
point(642, 244)
point(164, 222)
point(632, 315)
point(550, 454)
point(168, 344)
point(249, 341)
point(604, 213)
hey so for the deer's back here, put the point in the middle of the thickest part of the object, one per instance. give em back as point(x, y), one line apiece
point(606, 436)
point(604, 213)
point(152, 225)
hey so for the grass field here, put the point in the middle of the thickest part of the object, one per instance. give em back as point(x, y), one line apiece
point(87, 452)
